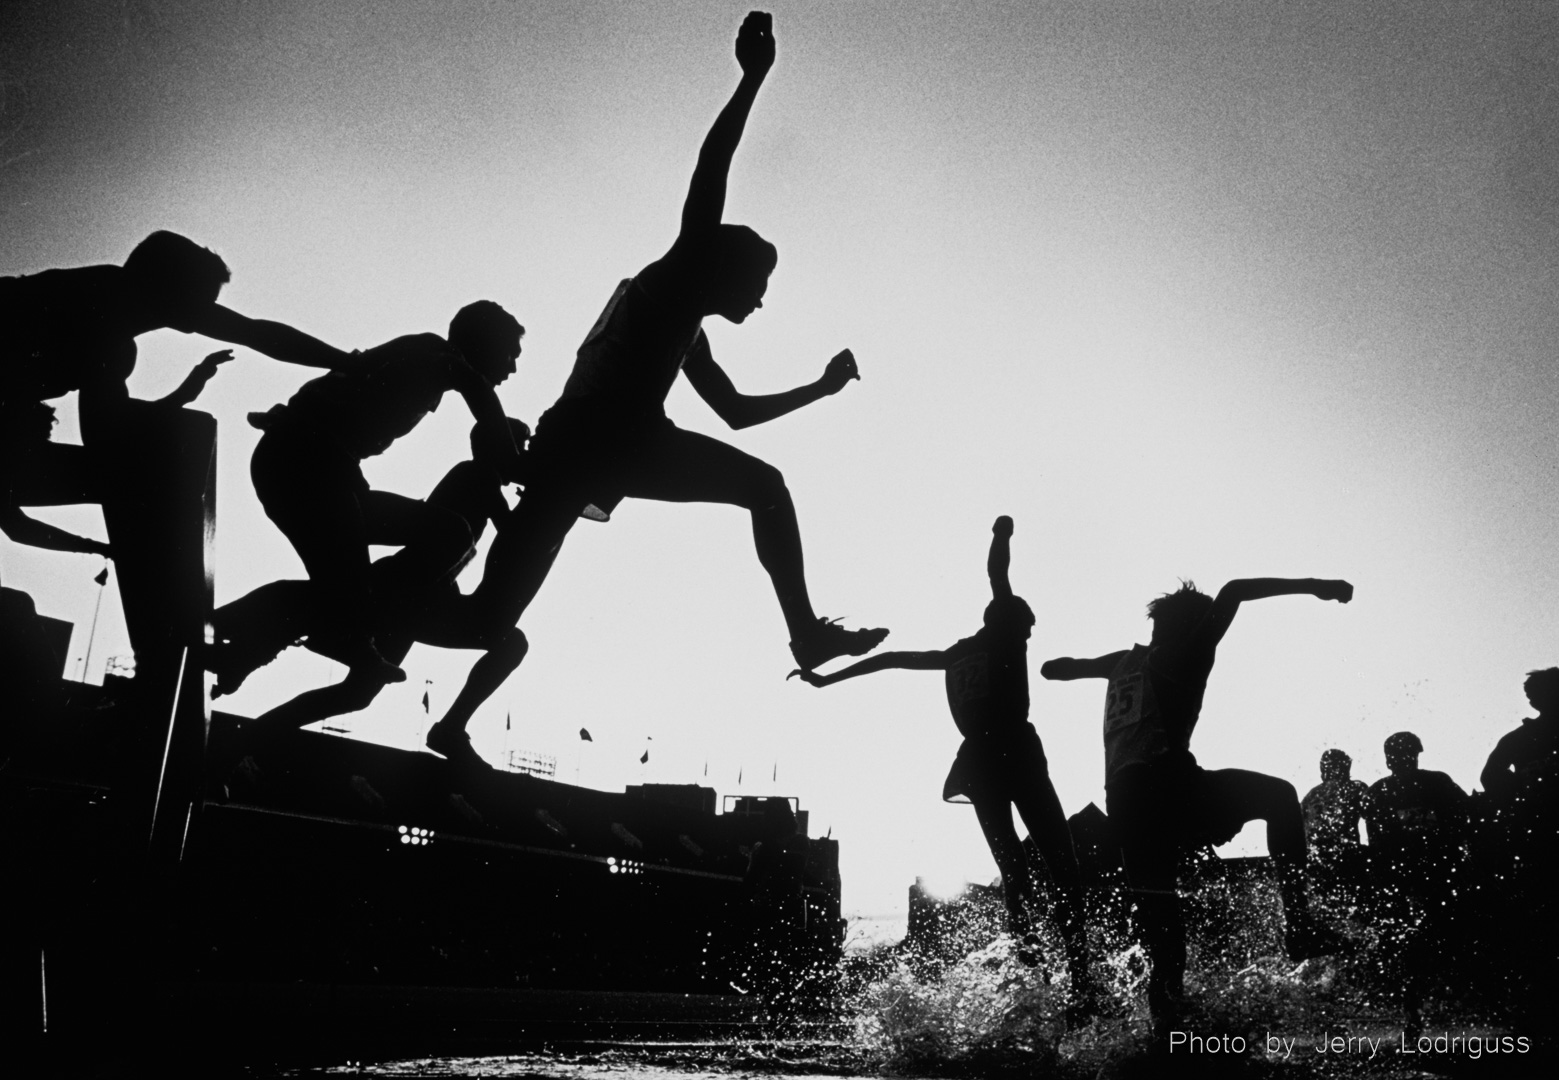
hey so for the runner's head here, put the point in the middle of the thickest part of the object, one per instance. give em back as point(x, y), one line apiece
point(1542, 689)
point(1176, 614)
point(738, 267)
point(175, 277)
point(1402, 750)
point(488, 337)
point(1336, 765)
point(1010, 615)
point(483, 451)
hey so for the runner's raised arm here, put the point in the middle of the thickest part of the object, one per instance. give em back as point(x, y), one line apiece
point(1000, 558)
point(706, 194)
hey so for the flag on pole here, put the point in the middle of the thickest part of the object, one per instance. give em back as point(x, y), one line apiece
point(776, 773)
point(585, 735)
point(506, 718)
point(645, 758)
point(102, 576)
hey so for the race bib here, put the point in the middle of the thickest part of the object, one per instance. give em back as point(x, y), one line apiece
point(1123, 702)
point(969, 680)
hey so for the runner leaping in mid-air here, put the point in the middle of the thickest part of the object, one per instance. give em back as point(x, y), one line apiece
point(307, 471)
point(1160, 801)
point(608, 438)
point(1001, 763)
point(410, 608)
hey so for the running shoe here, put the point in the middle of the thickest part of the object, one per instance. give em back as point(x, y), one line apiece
point(455, 745)
point(828, 640)
point(363, 657)
point(233, 663)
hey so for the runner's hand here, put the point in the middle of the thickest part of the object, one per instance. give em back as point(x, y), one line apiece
point(755, 43)
point(840, 370)
point(208, 367)
point(1340, 591)
point(811, 677)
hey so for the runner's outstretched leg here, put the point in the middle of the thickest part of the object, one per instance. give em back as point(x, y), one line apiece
point(1041, 812)
point(1258, 797)
point(995, 817)
point(253, 630)
point(683, 466)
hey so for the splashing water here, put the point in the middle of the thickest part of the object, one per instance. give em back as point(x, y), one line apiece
point(986, 1013)
point(965, 1004)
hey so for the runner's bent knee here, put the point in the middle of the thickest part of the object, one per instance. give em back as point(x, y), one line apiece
point(766, 487)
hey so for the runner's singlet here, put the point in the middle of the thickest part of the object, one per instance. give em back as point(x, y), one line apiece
point(1133, 726)
point(633, 352)
point(987, 685)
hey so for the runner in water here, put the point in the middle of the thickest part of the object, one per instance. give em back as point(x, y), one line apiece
point(1333, 810)
point(1334, 807)
point(307, 468)
point(1417, 821)
point(257, 627)
point(1157, 797)
point(608, 438)
point(1001, 763)
point(1532, 750)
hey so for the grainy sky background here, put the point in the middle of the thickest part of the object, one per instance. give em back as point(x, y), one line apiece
point(1199, 290)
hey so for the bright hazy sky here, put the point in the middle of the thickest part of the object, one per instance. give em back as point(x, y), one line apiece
point(1202, 290)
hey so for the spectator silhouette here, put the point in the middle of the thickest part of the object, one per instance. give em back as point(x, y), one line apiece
point(608, 438)
point(1157, 797)
point(307, 469)
point(1001, 763)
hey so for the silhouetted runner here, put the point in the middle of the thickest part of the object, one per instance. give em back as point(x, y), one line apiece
point(75, 329)
point(1417, 820)
point(1334, 808)
point(37, 472)
point(1531, 751)
point(1414, 814)
point(255, 628)
point(1157, 797)
point(61, 330)
point(307, 467)
point(608, 438)
point(1001, 763)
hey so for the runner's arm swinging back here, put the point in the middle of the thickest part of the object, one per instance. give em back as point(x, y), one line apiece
point(1067, 668)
